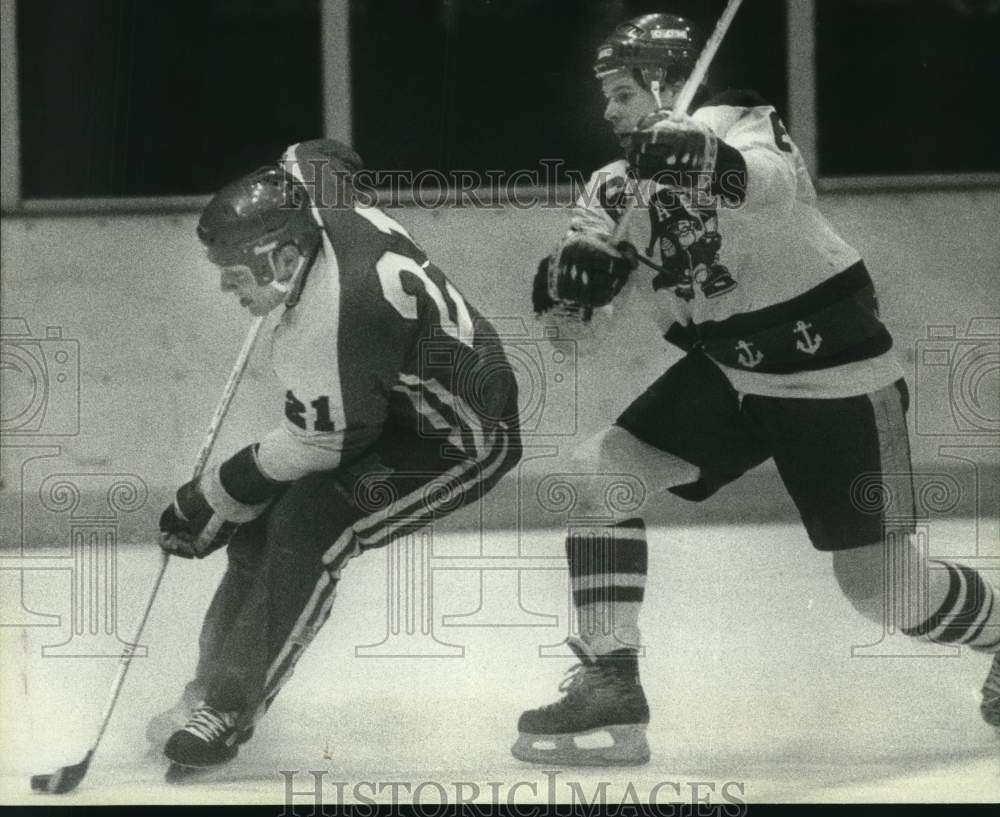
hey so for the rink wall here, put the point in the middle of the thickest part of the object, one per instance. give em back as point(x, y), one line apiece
point(117, 344)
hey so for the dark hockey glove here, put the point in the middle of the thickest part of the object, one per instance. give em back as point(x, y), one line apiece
point(207, 511)
point(541, 301)
point(686, 154)
point(590, 272)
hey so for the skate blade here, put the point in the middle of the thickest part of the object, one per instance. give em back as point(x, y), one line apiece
point(179, 774)
point(628, 747)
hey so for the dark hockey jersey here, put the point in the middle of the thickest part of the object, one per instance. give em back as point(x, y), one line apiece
point(379, 335)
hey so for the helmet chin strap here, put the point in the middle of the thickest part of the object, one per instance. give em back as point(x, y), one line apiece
point(284, 287)
point(297, 282)
point(654, 89)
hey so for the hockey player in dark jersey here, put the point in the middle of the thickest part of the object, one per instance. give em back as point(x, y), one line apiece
point(786, 358)
point(400, 407)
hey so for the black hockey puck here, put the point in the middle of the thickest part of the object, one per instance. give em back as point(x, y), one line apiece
point(40, 782)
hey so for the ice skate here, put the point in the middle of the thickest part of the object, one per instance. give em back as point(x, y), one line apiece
point(208, 740)
point(990, 706)
point(162, 726)
point(600, 721)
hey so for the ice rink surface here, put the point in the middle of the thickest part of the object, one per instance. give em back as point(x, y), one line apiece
point(764, 684)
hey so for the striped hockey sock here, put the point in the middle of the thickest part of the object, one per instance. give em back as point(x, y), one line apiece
point(607, 567)
point(969, 614)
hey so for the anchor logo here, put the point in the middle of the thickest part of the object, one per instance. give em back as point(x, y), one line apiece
point(810, 343)
point(749, 356)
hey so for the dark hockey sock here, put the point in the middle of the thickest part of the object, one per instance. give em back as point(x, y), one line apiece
point(607, 568)
point(969, 613)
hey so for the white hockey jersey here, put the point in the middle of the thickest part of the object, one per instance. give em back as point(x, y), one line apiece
point(764, 285)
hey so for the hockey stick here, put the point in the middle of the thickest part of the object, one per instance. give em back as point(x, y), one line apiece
point(681, 104)
point(67, 778)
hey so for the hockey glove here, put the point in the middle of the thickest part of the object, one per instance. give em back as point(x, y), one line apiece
point(686, 154)
point(588, 271)
point(207, 511)
point(541, 301)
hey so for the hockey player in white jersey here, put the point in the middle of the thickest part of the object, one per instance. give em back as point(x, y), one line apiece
point(400, 407)
point(786, 358)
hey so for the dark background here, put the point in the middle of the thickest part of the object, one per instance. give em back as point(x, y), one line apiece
point(907, 86)
point(144, 98)
point(480, 84)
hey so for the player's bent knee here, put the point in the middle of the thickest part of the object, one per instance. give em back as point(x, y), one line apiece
point(601, 458)
point(860, 574)
point(616, 451)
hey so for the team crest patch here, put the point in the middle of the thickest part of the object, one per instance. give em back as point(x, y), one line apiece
point(689, 243)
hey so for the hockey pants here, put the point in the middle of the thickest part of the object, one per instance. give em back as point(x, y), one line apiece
point(284, 567)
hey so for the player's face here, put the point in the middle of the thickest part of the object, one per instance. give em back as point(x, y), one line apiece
point(628, 102)
point(258, 298)
point(239, 280)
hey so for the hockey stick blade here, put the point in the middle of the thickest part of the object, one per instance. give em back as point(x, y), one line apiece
point(63, 780)
point(68, 777)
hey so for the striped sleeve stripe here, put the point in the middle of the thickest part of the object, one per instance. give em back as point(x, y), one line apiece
point(461, 412)
point(437, 421)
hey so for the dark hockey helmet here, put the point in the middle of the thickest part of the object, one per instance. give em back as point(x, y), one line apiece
point(250, 218)
point(654, 47)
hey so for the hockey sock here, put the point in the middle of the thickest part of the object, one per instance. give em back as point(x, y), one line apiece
point(969, 613)
point(607, 568)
